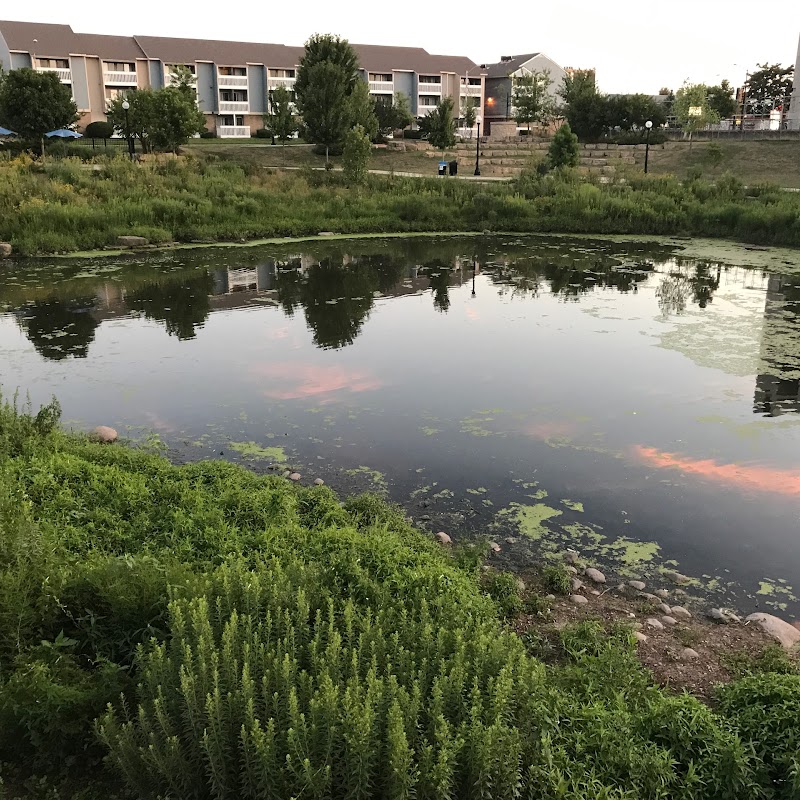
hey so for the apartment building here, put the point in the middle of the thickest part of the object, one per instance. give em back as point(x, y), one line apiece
point(233, 78)
point(499, 83)
point(793, 118)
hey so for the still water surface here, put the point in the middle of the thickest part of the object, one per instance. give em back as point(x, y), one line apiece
point(609, 397)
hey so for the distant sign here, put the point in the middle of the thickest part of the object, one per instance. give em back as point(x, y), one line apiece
point(695, 111)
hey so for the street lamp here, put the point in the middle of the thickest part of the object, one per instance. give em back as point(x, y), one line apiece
point(648, 125)
point(478, 120)
point(126, 107)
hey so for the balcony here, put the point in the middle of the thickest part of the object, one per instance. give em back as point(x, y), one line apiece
point(234, 107)
point(386, 87)
point(287, 83)
point(119, 78)
point(429, 88)
point(471, 91)
point(64, 75)
point(233, 131)
point(232, 81)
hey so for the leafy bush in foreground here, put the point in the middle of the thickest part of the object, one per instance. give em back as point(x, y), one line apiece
point(233, 635)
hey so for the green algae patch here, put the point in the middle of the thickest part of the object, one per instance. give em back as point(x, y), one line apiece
point(479, 490)
point(376, 477)
point(573, 505)
point(428, 431)
point(256, 451)
point(631, 553)
point(530, 519)
point(474, 426)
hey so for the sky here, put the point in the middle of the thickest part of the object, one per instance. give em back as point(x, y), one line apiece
point(635, 46)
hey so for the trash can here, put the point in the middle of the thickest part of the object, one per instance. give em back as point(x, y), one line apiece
point(443, 168)
point(453, 167)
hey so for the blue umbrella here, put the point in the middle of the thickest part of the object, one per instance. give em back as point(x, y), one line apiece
point(63, 133)
point(6, 132)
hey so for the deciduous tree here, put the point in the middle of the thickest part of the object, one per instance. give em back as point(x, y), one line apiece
point(33, 103)
point(175, 120)
point(692, 109)
point(137, 123)
point(324, 104)
point(280, 119)
point(531, 98)
point(439, 125)
point(356, 153)
point(721, 100)
point(394, 114)
point(768, 87)
point(361, 109)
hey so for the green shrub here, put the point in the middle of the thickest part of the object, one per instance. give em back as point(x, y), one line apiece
point(764, 711)
point(557, 579)
point(503, 589)
point(564, 150)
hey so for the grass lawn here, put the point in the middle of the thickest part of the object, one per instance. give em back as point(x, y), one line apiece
point(751, 162)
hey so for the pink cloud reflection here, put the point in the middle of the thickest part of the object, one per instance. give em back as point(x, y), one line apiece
point(298, 381)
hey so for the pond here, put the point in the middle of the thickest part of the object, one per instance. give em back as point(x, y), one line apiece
point(543, 392)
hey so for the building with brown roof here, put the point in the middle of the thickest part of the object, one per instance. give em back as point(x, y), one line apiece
point(233, 79)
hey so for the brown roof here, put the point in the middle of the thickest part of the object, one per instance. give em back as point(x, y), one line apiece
point(60, 40)
point(380, 58)
point(187, 51)
point(109, 48)
point(502, 69)
point(40, 38)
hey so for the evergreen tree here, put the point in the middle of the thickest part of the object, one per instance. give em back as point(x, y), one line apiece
point(439, 125)
point(564, 149)
point(356, 153)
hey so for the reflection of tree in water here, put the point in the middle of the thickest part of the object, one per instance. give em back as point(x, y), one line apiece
point(570, 275)
point(674, 290)
point(289, 284)
point(336, 299)
point(182, 305)
point(59, 329)
point(438, 274)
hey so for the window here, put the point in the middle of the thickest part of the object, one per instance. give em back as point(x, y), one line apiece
point(119, 66)
point(428, 100)
point(281, 73)
point(113, 93)
point(380, 76)
point(474, 81)
point(233, 96)
point(54, 63)
point(233, 71)
point(230, 120)
point(430, 79)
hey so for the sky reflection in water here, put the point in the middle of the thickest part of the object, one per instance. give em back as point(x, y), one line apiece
point(488, 383)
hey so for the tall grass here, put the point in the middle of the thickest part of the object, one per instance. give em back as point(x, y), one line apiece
point(71, 205)
point(212, 633)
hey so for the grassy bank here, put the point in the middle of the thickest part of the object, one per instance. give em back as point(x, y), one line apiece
point(64, 206)
point(200, 631)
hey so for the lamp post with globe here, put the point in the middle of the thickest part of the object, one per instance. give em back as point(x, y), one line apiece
point(126, 108)
point(648, 125)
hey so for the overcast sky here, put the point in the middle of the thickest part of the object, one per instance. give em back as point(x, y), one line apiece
point(636, 46)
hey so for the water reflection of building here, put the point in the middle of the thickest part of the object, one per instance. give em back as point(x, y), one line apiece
point(777, 390)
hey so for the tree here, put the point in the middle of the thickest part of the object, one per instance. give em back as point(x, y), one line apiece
point(531, 98)
point(631, 112)
point(768, 88)
point(99, 130)
point(33, 103)
point(470, 116)
point(356, 153)
point(175, 120)
point(394, 114)
point(586, 109)
point(280, 118)
point(564, 150)
point(439, 126)
point(184, 80)
point(361, 109)
point(324, 104)
point(163, 119)
point(691, 108)
point(139, 116)
point(326, 79)
point(721, 100)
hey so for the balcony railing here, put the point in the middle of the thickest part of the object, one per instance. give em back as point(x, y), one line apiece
point(64, 75)
point(429, 88)
point(471, 90)
point(381, 86)
point(234, 107)
point(233, 131)
point(119, 78)
point(235, 81)
point(287, 83)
